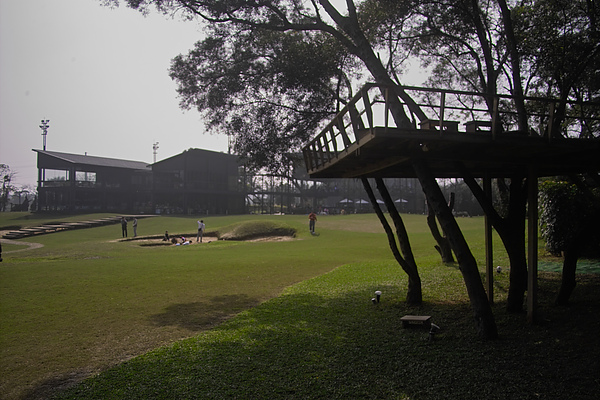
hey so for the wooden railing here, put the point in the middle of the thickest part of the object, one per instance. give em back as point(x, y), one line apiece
point(445, 111)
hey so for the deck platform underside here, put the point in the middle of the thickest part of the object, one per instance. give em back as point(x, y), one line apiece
point(387, 153)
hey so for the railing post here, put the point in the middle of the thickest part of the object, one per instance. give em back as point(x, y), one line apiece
point(495, 116)
point(551, 121)
point(333, 142)
point(326, 151)
point(320, 153)
point(386, 99)
point(442, 110)
point(368, 109)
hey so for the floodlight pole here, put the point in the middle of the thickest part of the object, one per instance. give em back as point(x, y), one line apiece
point(154, 148)
point(44, 126)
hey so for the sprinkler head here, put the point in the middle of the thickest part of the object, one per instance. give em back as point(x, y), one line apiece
point(378, 295)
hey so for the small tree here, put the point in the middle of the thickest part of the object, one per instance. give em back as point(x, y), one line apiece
point(569, 219)
point(6, 175)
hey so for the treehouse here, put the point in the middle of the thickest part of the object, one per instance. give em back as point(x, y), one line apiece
point(458, 134)
point(455, 128)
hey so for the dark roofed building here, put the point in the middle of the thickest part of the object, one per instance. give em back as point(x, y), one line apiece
point(195, 181)
point(74, 182)
point(198, 181)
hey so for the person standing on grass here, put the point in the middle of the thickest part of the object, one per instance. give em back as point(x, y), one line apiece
point(312, 219)
point(201, 228)
point(124, 226)
point(134, 224)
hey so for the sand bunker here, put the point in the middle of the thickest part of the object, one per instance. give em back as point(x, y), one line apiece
point(152, 242)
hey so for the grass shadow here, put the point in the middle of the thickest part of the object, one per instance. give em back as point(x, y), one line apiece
point(340, 346)
point(201, 316)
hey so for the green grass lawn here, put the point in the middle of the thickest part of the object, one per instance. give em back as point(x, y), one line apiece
point(289, 319)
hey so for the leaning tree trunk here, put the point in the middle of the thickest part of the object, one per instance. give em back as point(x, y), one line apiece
point(443, 244)
point(414, 295)
point(482, 312)
point(405, 246)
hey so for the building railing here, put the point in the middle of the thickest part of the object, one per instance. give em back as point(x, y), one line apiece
point(446, 111)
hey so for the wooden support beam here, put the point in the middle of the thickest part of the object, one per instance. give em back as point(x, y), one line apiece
point(495, 116)
point(442, 110)
point(489, 248)
point(532, 245)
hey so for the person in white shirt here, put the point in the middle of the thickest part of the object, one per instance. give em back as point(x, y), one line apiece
point(201, 227)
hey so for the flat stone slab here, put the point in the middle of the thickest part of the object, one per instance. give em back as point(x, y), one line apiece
point(421, 320)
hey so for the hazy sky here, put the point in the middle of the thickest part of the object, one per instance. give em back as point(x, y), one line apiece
point(99, 75)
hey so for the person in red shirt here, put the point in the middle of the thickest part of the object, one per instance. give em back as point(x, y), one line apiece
point(312, 219)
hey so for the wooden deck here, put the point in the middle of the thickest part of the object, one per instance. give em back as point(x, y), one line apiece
point(362, 140)
point(387, 153)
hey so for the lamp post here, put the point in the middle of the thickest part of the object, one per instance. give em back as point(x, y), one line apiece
point(154, 148)
point(44, 126)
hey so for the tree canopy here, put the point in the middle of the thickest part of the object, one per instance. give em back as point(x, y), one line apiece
point(270, 90)
point(267, 73)
point(569, 218)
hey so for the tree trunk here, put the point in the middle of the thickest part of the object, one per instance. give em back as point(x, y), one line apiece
point(482, 312)
point(569, 280)
point(510, 229)
point(512, 233)
point(443, 245)
point(414, 294)
point(513, 238)
point(515, 63)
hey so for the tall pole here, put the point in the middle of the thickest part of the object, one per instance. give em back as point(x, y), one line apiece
point(489, 247)
point(532, 245)
point(44, 126)
point(154, 148)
